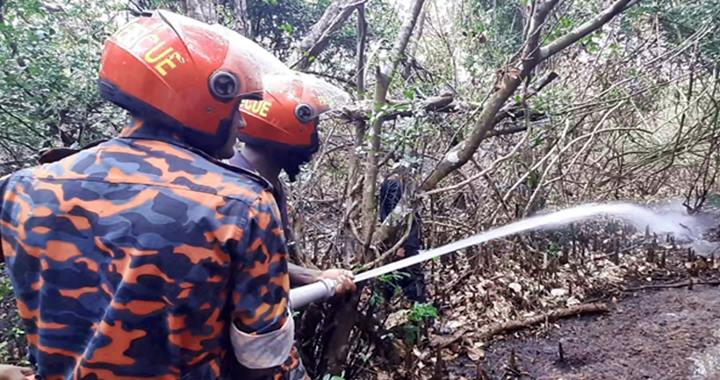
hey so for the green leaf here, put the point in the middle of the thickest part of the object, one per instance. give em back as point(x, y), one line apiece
point(423, 312)
point(392, 277)
point(553, 248)
point(409, 93)
point(566, 22)
point(287, 28)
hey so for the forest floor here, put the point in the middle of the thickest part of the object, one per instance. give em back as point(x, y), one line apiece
point(655, 325)
point(652, 334)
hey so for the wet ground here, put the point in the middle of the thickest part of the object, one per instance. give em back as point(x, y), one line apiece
point(656, 334)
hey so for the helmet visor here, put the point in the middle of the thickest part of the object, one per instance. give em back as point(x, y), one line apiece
point(313, 95)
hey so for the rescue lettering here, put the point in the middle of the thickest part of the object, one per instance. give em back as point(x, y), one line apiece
point(257, 107)
point(151, 46)
point(167, 60)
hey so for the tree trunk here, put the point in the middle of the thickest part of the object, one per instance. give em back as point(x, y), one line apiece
point(336, 349)
point(203, 10)
point(243, 25)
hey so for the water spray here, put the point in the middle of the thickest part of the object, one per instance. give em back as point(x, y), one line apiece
point(673, 222)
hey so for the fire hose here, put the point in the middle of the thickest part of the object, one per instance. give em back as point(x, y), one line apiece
point(325, 288)
point(640, 216)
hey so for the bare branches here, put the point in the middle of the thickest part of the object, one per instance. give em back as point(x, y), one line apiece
point(203, 10)
point(511, 80)
point(316, 40)
point(482, 173)
point(371, 170)
point(401, 43)
point(512, 109)
point(537, 19)
point(383, 80)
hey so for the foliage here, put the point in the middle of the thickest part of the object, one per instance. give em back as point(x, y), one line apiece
point(494, 30)
point(417, 321)
point(423, 313)
point(6, 289)
point(290, 21)
point(48, 74)
point(388, 281)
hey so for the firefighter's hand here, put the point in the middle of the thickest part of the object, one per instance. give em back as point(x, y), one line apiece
point(11, 372)
point(344, 280)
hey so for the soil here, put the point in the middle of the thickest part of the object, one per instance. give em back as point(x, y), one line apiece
point(655, 334)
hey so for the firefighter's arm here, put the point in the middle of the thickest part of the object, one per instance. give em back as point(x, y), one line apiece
point(11, 372)
point(303, 276)
point(262, 331)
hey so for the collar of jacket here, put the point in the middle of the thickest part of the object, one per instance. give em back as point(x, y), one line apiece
point(141, 130)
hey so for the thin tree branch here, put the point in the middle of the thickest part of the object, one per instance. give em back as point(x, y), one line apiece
point(361, 42)
point(586, 28)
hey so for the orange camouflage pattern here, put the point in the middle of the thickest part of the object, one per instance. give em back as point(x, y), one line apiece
point(129, 259)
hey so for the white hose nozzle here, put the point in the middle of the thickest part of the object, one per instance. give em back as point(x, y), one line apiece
point(317, 291)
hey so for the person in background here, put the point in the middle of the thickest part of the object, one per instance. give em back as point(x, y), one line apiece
point(281, 134)
point(411, 280)
point(145, 256)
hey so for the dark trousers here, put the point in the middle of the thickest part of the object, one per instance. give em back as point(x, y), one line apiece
point(411, 280)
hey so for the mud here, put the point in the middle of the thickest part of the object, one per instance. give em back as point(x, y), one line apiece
point(658, 334)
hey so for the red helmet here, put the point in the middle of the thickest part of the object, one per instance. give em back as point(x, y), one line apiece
point(182, 72)
point(287, 116)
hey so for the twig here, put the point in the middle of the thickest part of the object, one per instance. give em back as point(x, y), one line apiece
point(395, 247)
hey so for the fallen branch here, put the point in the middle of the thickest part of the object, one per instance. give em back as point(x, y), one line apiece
point(513, 326)
point(689, 283)
point(572, 311)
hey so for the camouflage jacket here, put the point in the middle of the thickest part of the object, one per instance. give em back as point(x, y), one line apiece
point(130, 259)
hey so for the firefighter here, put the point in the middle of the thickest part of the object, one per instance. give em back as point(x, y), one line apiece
point(280, 133)
point(145, 256)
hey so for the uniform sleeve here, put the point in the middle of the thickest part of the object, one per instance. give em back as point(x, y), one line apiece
point(3, 187)
point(262, 331)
